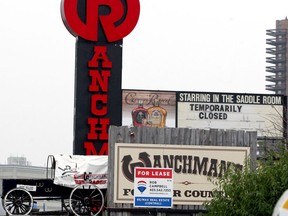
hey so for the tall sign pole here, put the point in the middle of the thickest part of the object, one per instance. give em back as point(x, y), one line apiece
point(99, 27)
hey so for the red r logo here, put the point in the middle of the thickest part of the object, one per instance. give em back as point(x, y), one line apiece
point(89, 29)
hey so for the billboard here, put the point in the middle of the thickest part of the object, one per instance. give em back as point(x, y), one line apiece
point(263, 113)
point(148, 108)
point(191, 165)
point(234, 111)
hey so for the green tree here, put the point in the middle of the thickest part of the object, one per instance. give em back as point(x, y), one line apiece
point(251, 192)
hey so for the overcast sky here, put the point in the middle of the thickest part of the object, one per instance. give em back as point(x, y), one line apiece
point(216, 46)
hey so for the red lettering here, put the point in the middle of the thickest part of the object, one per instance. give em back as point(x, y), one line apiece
point(103, 123)
point(90, 149)
point(100, 54)
point(95, 104)
point(74, 24)
point(98, 127)
point(114, 33)
point(99, 80)
point(89, 29)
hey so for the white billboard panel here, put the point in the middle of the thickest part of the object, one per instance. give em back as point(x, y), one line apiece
point(263, 113)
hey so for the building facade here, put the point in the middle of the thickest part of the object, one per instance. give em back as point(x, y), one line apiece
point(277, 59)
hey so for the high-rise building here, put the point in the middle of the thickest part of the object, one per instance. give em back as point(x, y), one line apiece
point(278, 58)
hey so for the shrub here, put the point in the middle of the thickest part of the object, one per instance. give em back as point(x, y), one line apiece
point(250, 191)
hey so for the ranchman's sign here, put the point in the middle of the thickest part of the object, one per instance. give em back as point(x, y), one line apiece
point(192, 165)
point(99, 26)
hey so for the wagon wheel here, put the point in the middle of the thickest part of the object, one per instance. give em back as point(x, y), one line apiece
point(18, 201)
point(86, 199)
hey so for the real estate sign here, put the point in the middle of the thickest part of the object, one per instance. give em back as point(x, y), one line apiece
point(153, 187)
